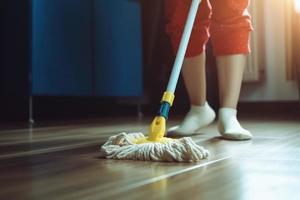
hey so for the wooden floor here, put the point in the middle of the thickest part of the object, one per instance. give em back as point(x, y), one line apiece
point(61, 161)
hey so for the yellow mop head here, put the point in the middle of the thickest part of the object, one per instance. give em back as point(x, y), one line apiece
point(123, 146)
point(155, 147)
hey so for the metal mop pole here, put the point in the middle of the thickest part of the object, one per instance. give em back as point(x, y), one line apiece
point(158, 126)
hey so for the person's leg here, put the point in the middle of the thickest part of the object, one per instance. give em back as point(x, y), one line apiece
point(230, 32)
point(193, 70)
point(230, 76)
point(200, 113)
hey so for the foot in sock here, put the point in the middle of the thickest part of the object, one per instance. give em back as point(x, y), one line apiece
point(229, 127)
point(198, 117)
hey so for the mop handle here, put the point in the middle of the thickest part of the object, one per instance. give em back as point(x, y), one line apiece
point(183, 46)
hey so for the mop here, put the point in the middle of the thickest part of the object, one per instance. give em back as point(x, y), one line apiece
point(156, 147)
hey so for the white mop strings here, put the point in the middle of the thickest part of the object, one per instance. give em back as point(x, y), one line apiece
point(180, 150)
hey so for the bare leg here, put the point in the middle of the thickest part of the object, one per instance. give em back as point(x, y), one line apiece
point(193, 72)
point(230, 74)
point(200, 114)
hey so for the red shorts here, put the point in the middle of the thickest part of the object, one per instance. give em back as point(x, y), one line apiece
point(227, 22)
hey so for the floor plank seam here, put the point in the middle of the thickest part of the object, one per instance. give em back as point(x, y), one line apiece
point(160, 178)
point(47, 150)
point(266, 159)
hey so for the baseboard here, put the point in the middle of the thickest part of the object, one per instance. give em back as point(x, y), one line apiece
point(270, 107)
point(53, 108)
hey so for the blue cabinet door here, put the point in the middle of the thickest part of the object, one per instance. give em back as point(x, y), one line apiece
point(118, 51)
point(62, 47)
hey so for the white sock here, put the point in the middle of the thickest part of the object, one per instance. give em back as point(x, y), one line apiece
point(198, 117)
point(229, 127)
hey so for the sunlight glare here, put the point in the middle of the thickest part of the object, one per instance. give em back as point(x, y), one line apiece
point(297, 5)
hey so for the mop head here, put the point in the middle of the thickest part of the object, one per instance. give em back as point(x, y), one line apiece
point(135, 146)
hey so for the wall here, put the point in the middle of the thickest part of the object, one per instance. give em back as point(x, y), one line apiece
point(59, 24)
point(14, 58)
point(273, 85)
